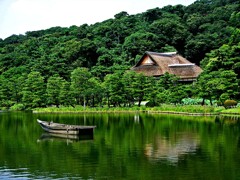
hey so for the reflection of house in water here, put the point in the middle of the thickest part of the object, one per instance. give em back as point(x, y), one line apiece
point(136, 118)
point(166, 149)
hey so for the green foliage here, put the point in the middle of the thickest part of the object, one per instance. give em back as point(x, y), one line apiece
point(213, 84)
point(197, 101)
point(17, 107)
point(191, 101)
point(66, 97)
point(139, 42)
point(150, 104)
point(135, 86)
point(95, 91)
point(34, 91)
point(223, 98)
point(187, 108)
point(80, 84)
point(54, 85)
point(114, 89)
point(92, 61)
point(170, 26)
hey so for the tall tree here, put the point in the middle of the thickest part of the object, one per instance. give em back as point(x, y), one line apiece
point(114, 89)
point(66, 96)
point(54, 84)
point(80, 84)
point(5, 93)
point(211, 85)
point(135, 86)
point(34, 91)
point(95, 91)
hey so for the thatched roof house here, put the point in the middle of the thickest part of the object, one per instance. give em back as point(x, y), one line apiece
point(156, 64)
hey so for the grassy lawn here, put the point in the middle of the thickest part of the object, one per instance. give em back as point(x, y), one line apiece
point(163, 108)
point(232, 110)
point(89, 109)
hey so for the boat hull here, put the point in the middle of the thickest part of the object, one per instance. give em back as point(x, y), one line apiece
point(65, 129)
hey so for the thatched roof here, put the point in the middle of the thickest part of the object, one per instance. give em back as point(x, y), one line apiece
point(157, 64)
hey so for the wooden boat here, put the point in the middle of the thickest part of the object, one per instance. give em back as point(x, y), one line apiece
point(58, 128)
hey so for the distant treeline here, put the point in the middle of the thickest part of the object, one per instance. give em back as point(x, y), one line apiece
point(88, 64)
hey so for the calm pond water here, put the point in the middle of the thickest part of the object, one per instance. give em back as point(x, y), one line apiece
point(124, 146)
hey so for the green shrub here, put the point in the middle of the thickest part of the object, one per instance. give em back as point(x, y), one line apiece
point(219, 103)
point(3, 108)
point(150, 104)
point(17, 107)
point(191, 101)
point(230, 104)
point(7, 104)
point(224, 97)
point(196, 101)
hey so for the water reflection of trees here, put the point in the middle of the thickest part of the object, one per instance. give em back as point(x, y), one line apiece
point(122, 141)
point(226, 119)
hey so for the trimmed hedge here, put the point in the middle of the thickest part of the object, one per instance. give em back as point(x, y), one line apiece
point(230, 103)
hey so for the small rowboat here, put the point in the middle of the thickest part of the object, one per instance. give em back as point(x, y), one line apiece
point(58, 128)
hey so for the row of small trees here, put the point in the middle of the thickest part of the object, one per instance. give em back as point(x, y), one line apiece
point(117, 89)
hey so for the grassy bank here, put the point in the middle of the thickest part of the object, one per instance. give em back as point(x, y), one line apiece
point(194, 109)
point(78, 109)
point(231, 111)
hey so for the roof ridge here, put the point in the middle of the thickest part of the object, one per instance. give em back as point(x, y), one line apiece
point(161, 54)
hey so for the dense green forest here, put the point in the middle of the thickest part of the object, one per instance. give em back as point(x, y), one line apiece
point(89, 64)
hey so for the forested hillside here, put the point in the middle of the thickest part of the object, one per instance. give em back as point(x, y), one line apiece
point(87, 64)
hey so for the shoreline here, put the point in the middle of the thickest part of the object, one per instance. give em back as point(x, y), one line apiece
point(140, 111)
point(191, 110)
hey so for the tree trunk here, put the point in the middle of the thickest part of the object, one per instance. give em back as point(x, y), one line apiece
point(140, 100)
point(93, 101)
point(211, 101)
point(108, 102)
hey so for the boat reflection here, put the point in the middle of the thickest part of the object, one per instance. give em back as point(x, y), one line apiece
point(64, 137)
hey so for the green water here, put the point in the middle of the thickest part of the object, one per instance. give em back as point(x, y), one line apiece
point(124, 146)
